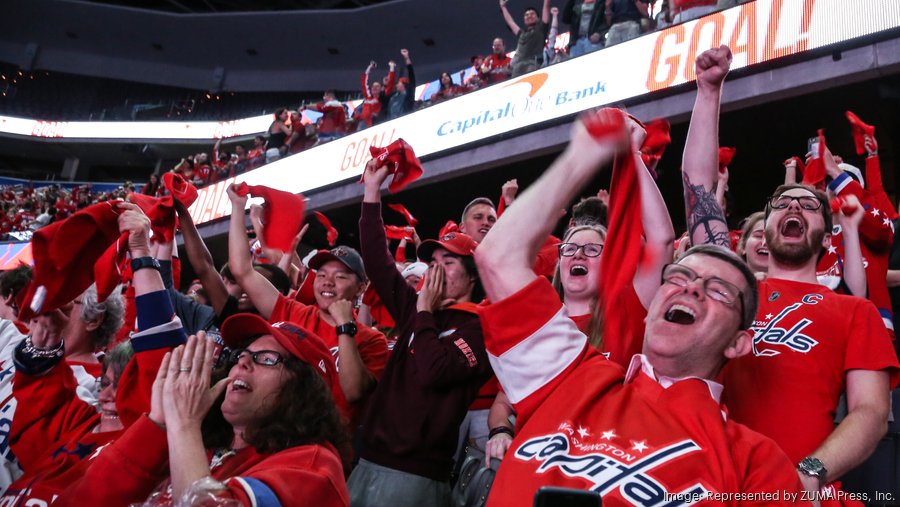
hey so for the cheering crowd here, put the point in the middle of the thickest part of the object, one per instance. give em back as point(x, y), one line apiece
point(619, 360)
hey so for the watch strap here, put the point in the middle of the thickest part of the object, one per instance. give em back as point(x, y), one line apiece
point(144, 262)
point(348, 329)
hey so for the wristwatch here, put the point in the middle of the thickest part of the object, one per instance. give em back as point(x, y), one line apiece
point(348, 329)
point(144, 262)
point(813, 467)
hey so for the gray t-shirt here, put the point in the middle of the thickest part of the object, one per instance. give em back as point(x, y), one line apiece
point(587, 11)
point(531, 42)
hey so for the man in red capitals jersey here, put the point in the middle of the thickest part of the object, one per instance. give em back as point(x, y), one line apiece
point(639, 437)
point(807, 337)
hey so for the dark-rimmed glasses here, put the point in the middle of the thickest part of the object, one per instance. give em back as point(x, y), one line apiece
point(714, 287)
point(260, 357)
point(806, 202)
point(589, 249)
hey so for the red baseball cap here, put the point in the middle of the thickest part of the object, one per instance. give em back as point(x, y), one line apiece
point(454, 242)
point(302, 344)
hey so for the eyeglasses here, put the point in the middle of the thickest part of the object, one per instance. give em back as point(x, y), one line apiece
point(260, 357)
point(714, 287)
point(806, 202)
point(589, 249)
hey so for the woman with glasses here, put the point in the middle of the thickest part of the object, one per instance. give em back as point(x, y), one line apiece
point(267, 434)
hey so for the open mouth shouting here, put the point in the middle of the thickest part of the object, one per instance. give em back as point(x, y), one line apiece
point(238, 385)
point(578, 270)
point(680, 314)
point(792, 227)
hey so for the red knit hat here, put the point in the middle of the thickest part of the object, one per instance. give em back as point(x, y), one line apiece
point(282, 214)
point(454, 242)
point(860, 130)
point(70, 255)
point(301, 343)
point(401, 160)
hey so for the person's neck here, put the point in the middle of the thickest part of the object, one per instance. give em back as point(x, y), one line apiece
point(238, 442)
point(678, 369)
point(327, 317)
point(579, 305)
point(805, 272)
point(79, 348)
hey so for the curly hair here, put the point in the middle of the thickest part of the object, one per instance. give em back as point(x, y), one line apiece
point(112, 312)
point(303, 413)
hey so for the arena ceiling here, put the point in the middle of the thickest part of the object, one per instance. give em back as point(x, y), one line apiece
point(235, 45)
point(211, 6)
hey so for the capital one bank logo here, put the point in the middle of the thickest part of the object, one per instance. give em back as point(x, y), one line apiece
point(778, 332)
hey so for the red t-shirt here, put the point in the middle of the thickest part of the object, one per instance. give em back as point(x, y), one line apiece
point(498, 67)
point(582, 423)
point(371, 343)
point(806, 338)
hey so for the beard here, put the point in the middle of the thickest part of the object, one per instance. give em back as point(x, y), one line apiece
point(795, 254)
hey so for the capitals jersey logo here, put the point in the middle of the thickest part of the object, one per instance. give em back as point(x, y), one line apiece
point(775, 331)
point(610, 471)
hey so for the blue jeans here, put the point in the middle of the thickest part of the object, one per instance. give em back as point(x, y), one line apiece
point(584, 46)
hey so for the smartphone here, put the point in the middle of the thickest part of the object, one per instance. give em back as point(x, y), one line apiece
point(551, 496)
point(813, 146)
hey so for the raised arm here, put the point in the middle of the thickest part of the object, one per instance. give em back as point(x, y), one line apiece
point(508, 18)
point(854, 271)
point(705, 218)
point(506, 255)
point(545, 12)
point(201, 260)
point(659, 235)
point(261, 292)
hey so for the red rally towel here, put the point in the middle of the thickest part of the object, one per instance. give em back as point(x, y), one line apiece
point(70, 255)
point(331, 234)
point(399, 208)
point(401, 160)
point(396, 232)
point(658, 138)
point(814, 175)
point(180, 188)
point(449, 227)
point(725, 156)
point(282, 214)
point(860, 130)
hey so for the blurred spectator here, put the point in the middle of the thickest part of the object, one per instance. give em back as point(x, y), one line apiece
point(587, 25)
point(152, 186)
point(551, 56)
point(686, 10)
point(334, 118)
point(530, 48)
point(403, 100)
point(257, 155)
point(448, 89)
point(278, 134)
point(375, 95)
point(496, 66)
point(475, 79)
point(624, 19)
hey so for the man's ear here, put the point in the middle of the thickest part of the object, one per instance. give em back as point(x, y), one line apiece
point(740, 345)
